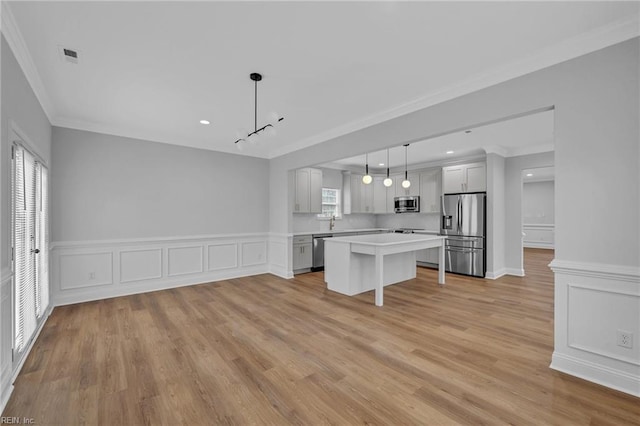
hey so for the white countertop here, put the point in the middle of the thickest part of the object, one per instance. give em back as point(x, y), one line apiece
point(388, 239)
point(339, 231)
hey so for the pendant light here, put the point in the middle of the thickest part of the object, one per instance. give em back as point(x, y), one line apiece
point(366, 179)
point(387, 182)
point(406, 183)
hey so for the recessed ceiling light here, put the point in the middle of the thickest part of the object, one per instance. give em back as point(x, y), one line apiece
point(380, 164)
point(529, 174)
point(204, 122)
point(449, 152)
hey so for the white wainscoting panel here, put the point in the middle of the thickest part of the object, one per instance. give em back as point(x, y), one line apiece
point(185, 260)
point(139, 265)
point(254, 253)
point(93, 270)
point(538, 235)
point(86, 270)
point(593, 302)
point(280, 260)
point(222, 256)
point(6, 387)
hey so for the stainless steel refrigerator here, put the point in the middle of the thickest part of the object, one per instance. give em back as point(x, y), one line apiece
point(463, 223)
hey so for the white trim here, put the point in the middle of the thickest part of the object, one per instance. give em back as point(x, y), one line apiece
point(491, 275)
point(609, 377)
point(596, 270)
point(280, 254)
point(582, 44)
point(19, 48)
point(101, 278)
point(154, 240)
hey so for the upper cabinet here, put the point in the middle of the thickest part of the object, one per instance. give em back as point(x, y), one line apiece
point(361, 195)
point(430, 191)
point(308, 191)
point(464, 178)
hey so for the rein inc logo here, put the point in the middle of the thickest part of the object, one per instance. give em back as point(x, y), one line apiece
point(17, 421)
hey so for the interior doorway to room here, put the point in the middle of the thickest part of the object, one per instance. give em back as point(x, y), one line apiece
point(538, 208)
point(30, 241)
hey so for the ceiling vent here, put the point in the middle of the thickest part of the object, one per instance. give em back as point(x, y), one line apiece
point(69, 55)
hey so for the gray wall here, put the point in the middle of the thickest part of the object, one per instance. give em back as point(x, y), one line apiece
point(20, 105)
point(537, 202)
point(109, 187)
point(595, 97)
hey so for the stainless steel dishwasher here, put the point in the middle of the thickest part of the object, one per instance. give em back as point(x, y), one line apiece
point(318, 251)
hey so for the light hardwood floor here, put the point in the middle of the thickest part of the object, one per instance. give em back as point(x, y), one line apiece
point(263, 350)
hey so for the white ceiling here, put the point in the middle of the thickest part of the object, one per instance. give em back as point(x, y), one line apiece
point(152, 70)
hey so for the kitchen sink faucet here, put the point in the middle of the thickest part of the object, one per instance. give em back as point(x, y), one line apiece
point(332, 223)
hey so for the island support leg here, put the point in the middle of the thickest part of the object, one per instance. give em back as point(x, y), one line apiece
point(379, 279)
point(441, 264)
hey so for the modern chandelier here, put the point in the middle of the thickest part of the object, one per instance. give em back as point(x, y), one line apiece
point(269, 128)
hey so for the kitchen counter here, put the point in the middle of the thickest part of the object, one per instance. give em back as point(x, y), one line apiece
point(360, 263)
point(339, 231)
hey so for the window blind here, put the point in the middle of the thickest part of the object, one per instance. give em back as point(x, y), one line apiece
point(30, 232)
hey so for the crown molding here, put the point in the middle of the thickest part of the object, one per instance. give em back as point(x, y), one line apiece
point(19, 48)
point(600, 38)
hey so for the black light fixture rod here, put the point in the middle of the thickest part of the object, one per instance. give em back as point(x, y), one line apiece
point(255, 110)
point(387, 162)
point(406, 147)
point(256, 77)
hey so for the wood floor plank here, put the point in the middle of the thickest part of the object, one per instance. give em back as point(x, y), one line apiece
point(266, 351)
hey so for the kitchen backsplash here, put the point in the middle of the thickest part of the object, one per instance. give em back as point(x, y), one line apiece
point(309, 222)
point(428, 221)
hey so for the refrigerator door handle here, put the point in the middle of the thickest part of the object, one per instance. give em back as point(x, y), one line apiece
point(459, 215)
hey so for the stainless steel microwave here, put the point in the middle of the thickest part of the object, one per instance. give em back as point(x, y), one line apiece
point(407, 204)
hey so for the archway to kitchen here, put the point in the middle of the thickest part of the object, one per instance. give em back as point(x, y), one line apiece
point(505, 147)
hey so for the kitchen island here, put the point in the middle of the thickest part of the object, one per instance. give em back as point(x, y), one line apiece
point(361, 263)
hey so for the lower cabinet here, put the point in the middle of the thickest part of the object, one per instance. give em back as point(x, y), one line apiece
point(302, 252)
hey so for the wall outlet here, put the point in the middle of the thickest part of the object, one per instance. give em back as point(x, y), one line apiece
point(92, 275)
point(625, 339)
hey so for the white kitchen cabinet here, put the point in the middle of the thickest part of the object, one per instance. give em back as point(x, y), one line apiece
point(430, 191)
point(464, 178)
point(362, 196)
point(413, 190)
point(302, 252)
point(308, 191)
point(380, 197)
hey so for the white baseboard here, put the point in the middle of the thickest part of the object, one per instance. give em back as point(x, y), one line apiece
point(602, 375)
point(494, 275)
